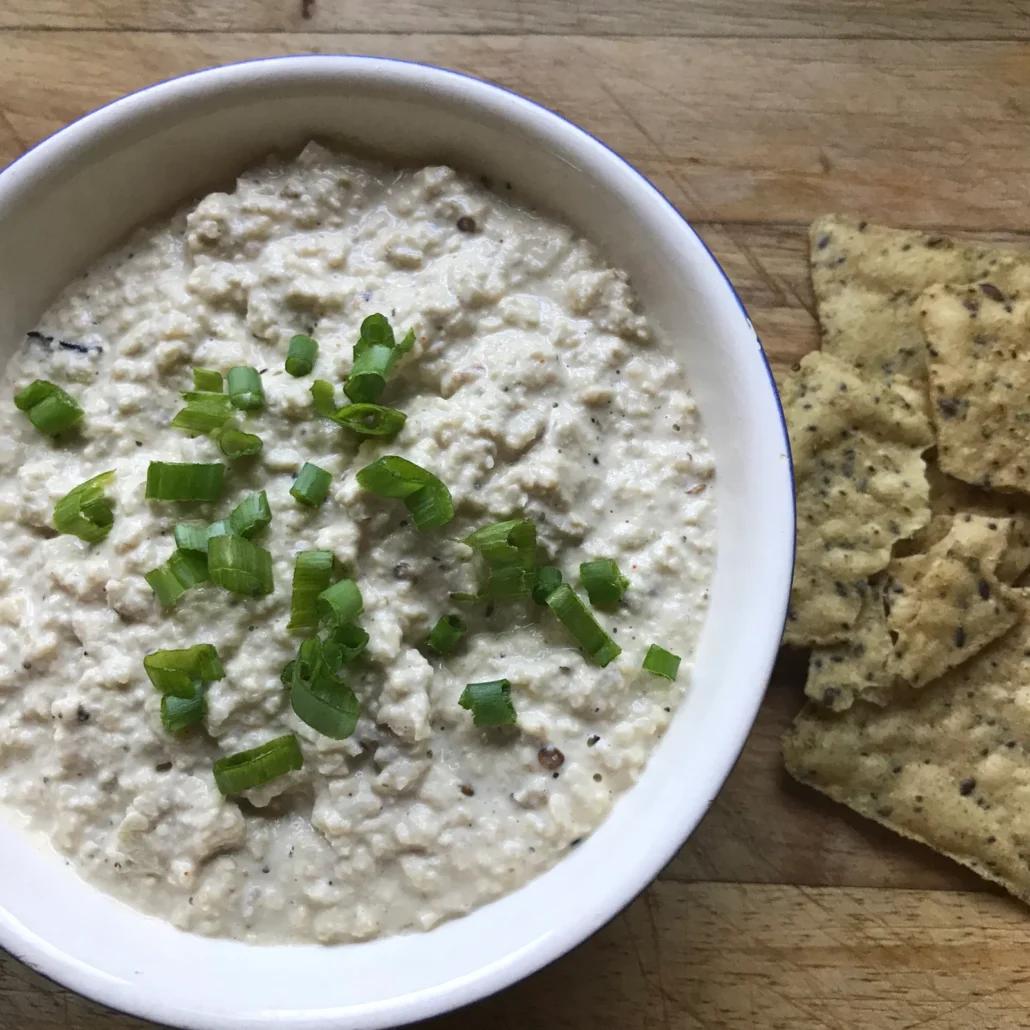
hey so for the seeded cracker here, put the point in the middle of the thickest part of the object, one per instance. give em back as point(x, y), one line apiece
point(979, 355)
point(861, 485)
point(867, 281)
point(927, 614)
point(948, 765)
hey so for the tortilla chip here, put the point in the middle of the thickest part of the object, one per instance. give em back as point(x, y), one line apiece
point(979, 362)
point(861, 485)
point(867, 281)
point(948, 766)
point(928, 614)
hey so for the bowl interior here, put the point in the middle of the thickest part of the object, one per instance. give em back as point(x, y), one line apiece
point(80, 192)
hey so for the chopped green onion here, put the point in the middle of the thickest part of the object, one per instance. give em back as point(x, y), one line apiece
point(207, 380)
point(508, 550)
point(661, 662)
point(85, 511)
point(364, 419)
point(569, 607)
point(245, 389)
point(175, 671)
point(286, 676)
point(300, 358)
point(184, 481)
point(444, 636)
point(251, 515)
point(603, 582)
point(183, 570)
point(426, 498)
point(375, 354)
point(311, 485)
point(548, 579)
point(344, 643)
point(204, 412)
point(340, 603)
point(319, 697)
point(233, 442)
point(237, 565)
point(180, 713)
point(246, 769)
point(191, 537)
point(312, 573)
point(48, 407)
point(490, 703)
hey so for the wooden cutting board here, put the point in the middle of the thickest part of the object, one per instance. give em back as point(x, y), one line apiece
point(754, 116)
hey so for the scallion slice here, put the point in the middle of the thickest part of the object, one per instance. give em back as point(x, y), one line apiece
point(251, 515)
point(319, 697)
point(508, 550)
point(301, 357)
point(239, 566)
point(207, 380)
point(191, 537)
point(548, 579)
point(311, 485)
point(180, 713)
point(245, 389)
point(233, 442)
point(445, 636)
point(204, 412)
point(247, 769)
point(344, 643)
point(569, 607)
point(490, 703)
point(174, 671)
point(375, 354)
point(184, 481)
point(48, 407)
point(364, 419)
point(661, 662)
point(312, 573)
point(426, 498)
point(603, 582)
point(85, 511)
point(340, 603)
point(185, 569)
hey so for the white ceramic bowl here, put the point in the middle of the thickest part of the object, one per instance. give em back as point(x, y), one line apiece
point(72, 197)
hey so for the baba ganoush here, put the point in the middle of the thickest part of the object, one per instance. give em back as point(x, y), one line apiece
point(535, 390)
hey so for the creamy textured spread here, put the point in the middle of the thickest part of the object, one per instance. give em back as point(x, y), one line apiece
point(535, 389)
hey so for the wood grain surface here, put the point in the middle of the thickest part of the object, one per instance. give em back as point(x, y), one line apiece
point(754, 116)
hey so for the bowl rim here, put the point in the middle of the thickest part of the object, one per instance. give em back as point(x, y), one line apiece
point(35, 952)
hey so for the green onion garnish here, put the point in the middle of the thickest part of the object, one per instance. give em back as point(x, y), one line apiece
point(85, 511)
point(445, 635)
point(204, 412)
point(344, 643)
point(49, 408)
point(180, 713)
point(426, 498)
point(184, 481)
point(569, 607)
point(603, 582)
point(375, 354)
point(312, 573)
point(245, 389)
point(246, 769)
point(300, 358)
point(311, 485)
point(661, 662)
point(175, 671)
point(340, 603)
point(548, 579)
point(319, 697)
point(191, 537)
point(183, 570)
point(207, 380)
point(489, 703)
point(238, 565)
point(364, 419)
point(233, 442)
point(251, 515)
point(508, 550)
